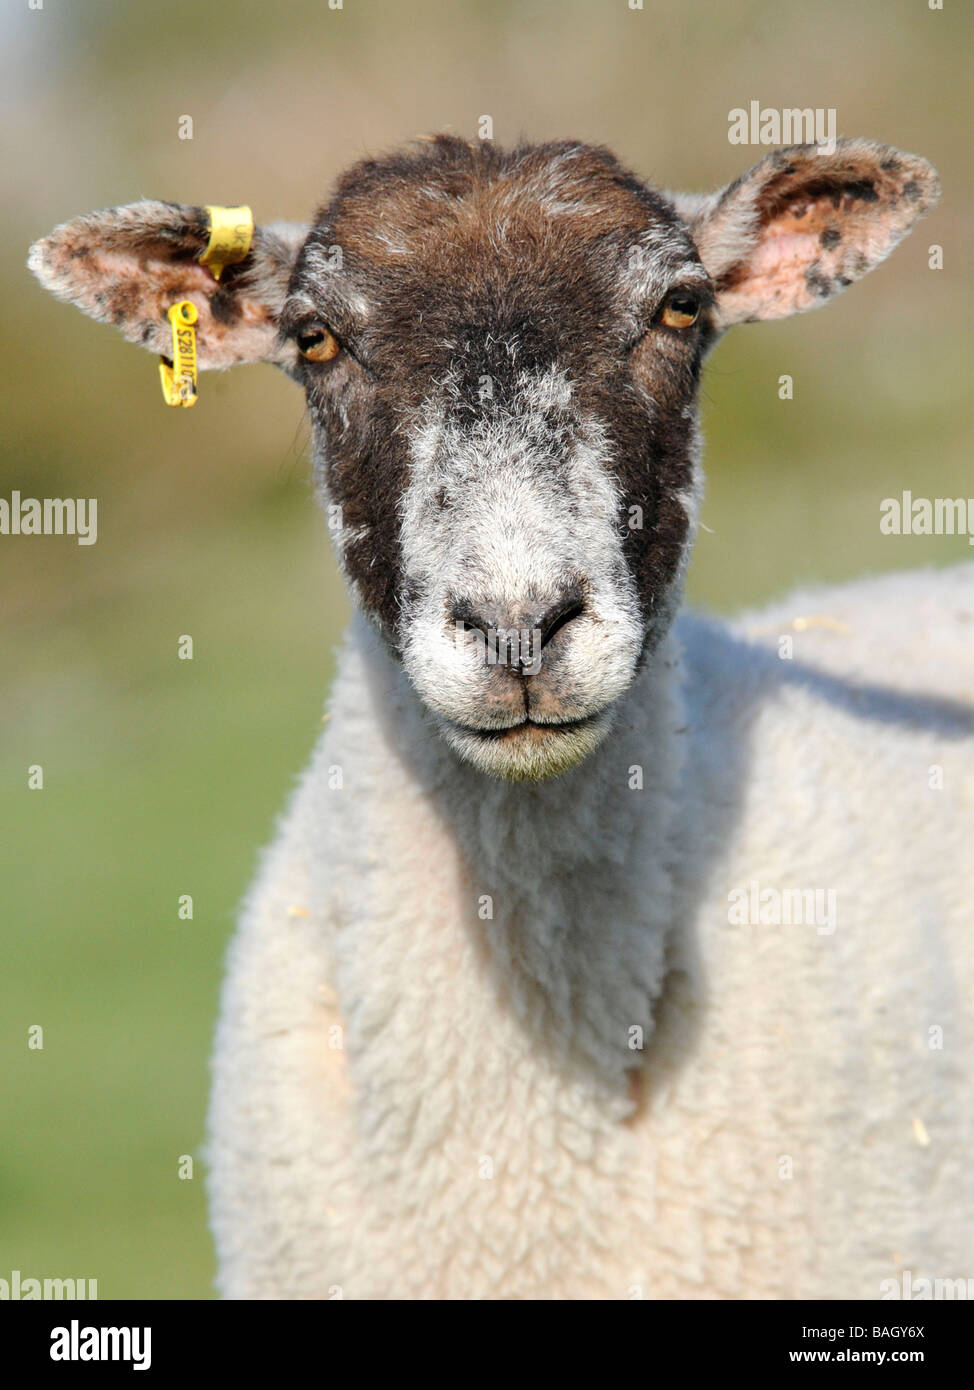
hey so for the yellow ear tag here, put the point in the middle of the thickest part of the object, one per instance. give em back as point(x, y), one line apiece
point(179, 380)
point(231, 234)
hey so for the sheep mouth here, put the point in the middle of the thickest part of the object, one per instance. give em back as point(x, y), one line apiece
point(529, 728)
point(530, 750)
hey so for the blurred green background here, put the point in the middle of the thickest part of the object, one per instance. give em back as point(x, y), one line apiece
point(162, 777)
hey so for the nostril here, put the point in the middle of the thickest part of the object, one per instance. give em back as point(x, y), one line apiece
point(466, 619)
point(569, 607)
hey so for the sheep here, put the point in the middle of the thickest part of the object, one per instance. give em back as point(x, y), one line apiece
point(602, 952)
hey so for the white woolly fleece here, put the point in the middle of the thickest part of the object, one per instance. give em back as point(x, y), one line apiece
point(426, 1084)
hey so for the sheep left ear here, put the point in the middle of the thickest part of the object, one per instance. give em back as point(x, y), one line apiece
point(802, 224)
point(128, 265)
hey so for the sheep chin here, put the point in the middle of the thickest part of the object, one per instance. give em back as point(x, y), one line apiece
point(527, 752)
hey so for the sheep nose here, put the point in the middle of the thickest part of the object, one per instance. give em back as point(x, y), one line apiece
point(517, 635)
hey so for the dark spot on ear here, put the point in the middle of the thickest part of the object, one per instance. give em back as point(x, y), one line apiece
point(862, 263)
point(830, 238)
point(123, 302)
point(863, 189)
point(795, 195)
point(843, 280)
point(817, 282)
point(441, 498)
point(186, 234)
point(911, 190)
point(79, 253)
point(225, 307)
point(890, 165)
point(239, 270)
point(146, 335)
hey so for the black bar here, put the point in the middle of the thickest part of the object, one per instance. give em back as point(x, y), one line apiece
point(695, 1336)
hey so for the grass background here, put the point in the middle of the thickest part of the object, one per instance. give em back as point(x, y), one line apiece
point(162, 777)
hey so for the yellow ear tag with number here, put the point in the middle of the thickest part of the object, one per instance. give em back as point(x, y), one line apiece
point(179, 380)
point(231, 234)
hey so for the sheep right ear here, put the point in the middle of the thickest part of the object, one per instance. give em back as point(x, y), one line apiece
point(803, 223)
point(128, 265)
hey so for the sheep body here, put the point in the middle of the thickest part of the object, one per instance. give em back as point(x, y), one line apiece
point(428, 1078)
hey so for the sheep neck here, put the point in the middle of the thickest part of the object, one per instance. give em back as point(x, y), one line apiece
point(561, 893)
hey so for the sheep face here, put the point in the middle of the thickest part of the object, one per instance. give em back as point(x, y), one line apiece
point(501, 353)
point(505, 426)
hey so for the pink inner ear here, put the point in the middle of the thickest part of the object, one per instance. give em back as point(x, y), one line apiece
point(145, 288)
point(807, 253)
point(777, 272)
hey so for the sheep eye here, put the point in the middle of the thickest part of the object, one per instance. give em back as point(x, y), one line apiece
point(319, 347)
point(680, 311)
